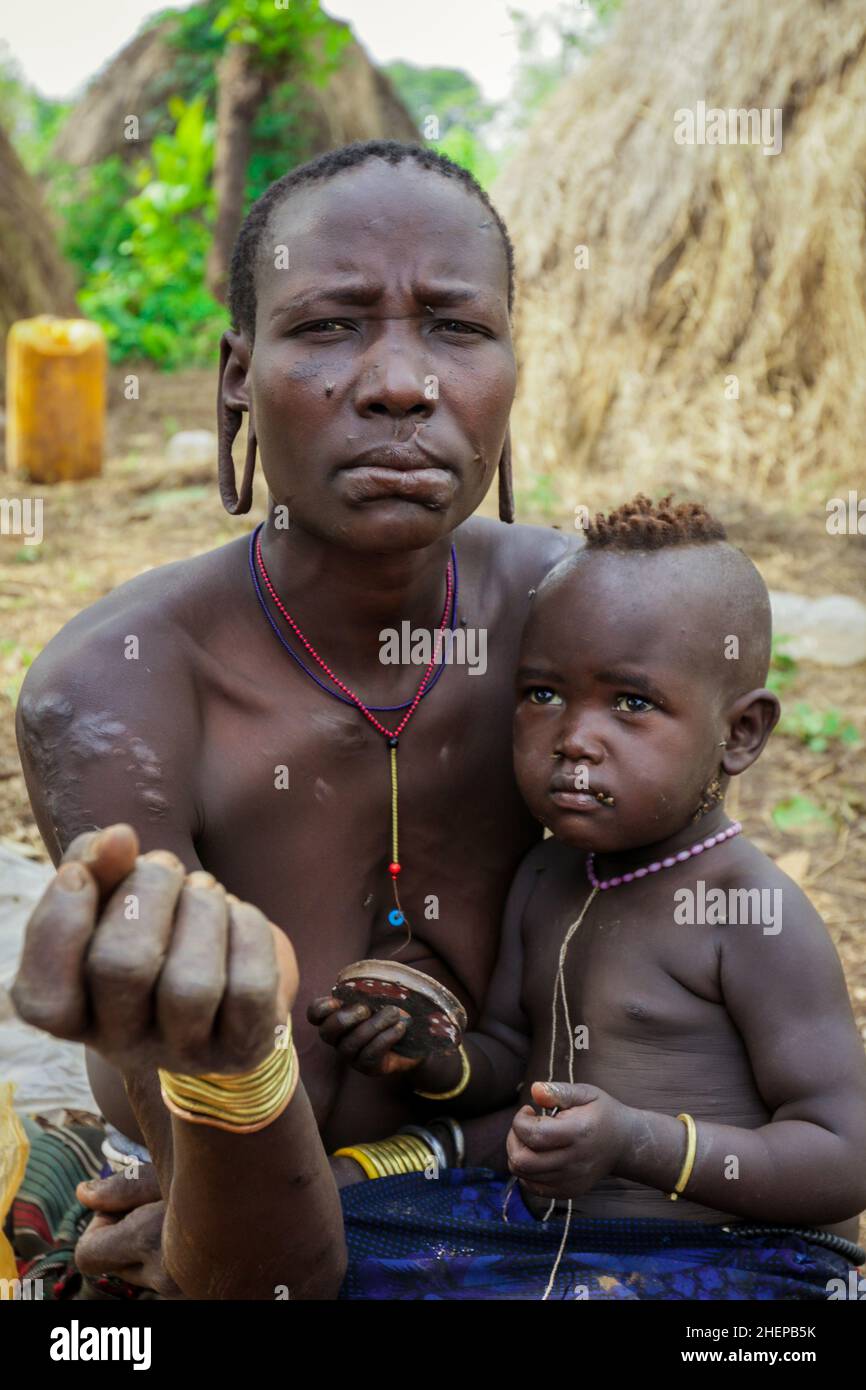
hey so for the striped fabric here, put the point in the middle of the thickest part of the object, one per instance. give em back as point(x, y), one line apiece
point(47, 1219)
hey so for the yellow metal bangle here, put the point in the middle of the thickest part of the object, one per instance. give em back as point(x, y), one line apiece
point(360, 1158)
point(465, 1073)
point(416, 1153)
point(689, 1161)
point(237, 1104)
point(410, 1155)
point(392, 1159)
point(386, 1158)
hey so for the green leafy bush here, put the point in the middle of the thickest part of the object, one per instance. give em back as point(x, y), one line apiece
point(469, 150)
point(799, 813)
point(817, 729)
point(91, 205)
point(140, 234)
point(281, 30)
point(148, 290)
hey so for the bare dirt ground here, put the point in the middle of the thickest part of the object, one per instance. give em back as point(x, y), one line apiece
point(140, 514)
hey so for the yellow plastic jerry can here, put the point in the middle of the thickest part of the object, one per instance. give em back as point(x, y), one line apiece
point(56, 372)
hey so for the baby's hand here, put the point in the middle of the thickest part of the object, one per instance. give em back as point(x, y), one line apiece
point(566, 1154)
point(364, 1037)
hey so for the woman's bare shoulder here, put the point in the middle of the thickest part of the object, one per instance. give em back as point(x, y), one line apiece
point(180, 596)
point(515, 552)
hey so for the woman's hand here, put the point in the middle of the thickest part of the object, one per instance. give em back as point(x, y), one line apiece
point(567, 1154)
point(150, 966)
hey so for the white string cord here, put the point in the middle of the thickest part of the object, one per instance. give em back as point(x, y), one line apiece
point(559, 991)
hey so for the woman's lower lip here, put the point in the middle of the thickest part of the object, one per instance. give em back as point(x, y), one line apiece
point(578, 801)
point(366, 483)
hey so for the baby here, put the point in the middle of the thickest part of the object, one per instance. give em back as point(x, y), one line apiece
point(667, 1003)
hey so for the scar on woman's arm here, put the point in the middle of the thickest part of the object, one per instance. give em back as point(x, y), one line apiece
point(63, 749)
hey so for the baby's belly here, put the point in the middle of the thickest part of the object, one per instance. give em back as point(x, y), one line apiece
point(707, 1073)
point(710, 1080)
point(669, 1081)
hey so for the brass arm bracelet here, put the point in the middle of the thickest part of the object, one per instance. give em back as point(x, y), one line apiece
point(465, 1074)
point(238, 1104)
point(689, 1160)
point(387, 1158)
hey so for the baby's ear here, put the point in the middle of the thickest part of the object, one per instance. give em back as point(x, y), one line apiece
point(752, 718)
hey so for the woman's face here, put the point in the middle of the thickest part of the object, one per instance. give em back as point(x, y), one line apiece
point(382, 325)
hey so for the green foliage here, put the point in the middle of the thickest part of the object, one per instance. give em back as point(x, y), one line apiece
point(550, 47)
point(297, 41)
point(30, 120)
point(783, 668)
point(799, 813)
point(197, 49)
point(149, 296)
point(448, 93)
point(279, 140)
point(817, 729)
point(477, 133)
point(468, 149)
point(139, 234)
point(192, 30)
point(456, 101)
point(91, 205)
point(283, 29)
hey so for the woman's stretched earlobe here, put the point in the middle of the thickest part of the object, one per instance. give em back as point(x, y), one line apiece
point(229, 419)
point(506, 484)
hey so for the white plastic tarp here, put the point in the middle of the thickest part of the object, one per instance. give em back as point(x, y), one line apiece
point(49, 1075)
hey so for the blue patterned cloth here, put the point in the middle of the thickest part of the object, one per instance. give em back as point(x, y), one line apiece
point(417, 1238)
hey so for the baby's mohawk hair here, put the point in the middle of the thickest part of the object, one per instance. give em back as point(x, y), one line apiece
point(645, 525)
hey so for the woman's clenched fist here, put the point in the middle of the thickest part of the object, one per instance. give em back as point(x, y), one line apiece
point(151, 966)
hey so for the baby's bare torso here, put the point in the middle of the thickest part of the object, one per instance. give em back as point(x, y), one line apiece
point(647, 1011)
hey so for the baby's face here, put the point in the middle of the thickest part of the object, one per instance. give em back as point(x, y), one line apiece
point(620, 701)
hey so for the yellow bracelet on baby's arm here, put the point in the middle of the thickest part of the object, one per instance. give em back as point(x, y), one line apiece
point(238, 1104)
point(689, 1160)
point(465, 1075)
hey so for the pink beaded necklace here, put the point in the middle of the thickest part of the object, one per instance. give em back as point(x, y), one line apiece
point(667, 863)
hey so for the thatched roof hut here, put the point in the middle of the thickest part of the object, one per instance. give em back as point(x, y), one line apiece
point(276, 116)
point(715, 324)
point(356, 103)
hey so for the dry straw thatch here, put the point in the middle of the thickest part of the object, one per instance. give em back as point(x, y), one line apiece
point(705, 261)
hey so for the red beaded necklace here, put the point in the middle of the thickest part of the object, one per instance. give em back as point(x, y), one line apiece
point(392, 736)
